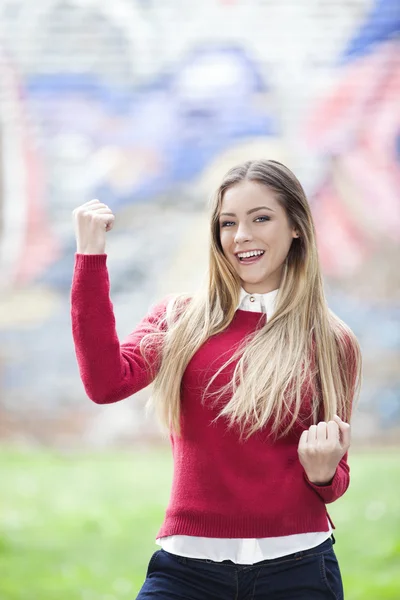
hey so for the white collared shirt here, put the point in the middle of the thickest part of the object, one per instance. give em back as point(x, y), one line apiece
point(245, 551)
point(264, 303)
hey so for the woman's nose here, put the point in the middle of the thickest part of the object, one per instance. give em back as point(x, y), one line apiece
point(243, 234)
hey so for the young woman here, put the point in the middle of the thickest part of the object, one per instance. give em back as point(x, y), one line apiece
point(254, 377)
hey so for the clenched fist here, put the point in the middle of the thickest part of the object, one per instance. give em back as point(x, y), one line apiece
point(92, 221)
point(321, 448)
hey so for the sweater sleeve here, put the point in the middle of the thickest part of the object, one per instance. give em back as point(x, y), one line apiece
point(110, 371)
point(339, 484)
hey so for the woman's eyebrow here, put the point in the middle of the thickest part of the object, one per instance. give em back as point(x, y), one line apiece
point(252, 210)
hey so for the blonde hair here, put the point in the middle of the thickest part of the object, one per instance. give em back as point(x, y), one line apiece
point(303, 342)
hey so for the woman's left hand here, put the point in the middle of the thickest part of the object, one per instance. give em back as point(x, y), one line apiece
point(321, 448)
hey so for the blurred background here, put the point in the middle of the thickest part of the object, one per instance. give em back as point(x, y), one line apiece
point(145, 105)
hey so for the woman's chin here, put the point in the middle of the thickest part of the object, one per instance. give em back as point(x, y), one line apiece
point(259, 285)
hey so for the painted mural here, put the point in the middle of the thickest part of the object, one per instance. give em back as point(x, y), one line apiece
point(96, 109)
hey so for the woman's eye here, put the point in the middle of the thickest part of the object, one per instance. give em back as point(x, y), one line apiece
point(263, 219)
point(227, 223)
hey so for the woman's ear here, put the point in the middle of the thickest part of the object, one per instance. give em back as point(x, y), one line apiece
point(295, 234)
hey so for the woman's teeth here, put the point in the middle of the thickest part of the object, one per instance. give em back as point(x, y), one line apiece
point(251, 254)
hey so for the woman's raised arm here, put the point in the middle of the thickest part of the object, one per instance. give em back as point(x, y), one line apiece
point(110, 371)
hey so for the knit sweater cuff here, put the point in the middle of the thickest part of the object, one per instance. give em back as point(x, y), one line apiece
point(332, 491)
point(90, 262)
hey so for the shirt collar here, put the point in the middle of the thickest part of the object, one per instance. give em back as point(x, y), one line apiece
point(264, 303)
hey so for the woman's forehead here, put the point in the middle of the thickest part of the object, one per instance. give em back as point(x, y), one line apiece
point(246, 195)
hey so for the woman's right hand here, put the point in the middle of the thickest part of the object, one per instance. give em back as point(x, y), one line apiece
point(92, 221)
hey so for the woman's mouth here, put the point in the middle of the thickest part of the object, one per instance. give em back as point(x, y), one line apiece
point(250, 257)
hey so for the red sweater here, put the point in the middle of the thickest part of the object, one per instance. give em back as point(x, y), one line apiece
point(221, 487)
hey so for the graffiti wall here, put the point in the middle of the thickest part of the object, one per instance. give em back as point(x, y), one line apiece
point(144, 107)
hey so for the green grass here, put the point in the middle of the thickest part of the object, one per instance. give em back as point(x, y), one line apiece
point(82, 527)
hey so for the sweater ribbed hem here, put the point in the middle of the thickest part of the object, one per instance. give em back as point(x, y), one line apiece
point(90, 262)
point(242, 527)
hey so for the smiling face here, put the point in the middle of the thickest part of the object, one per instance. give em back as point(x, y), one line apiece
point(255, 235)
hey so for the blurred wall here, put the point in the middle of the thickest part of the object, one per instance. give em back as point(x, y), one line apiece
point(144, 105)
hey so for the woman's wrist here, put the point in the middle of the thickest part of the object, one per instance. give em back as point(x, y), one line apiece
point(90, 251)
point(322, 479)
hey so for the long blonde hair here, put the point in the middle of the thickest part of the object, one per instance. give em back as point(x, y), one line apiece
point(303, 342)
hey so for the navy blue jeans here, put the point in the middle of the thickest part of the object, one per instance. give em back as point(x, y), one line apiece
point(312, 574)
